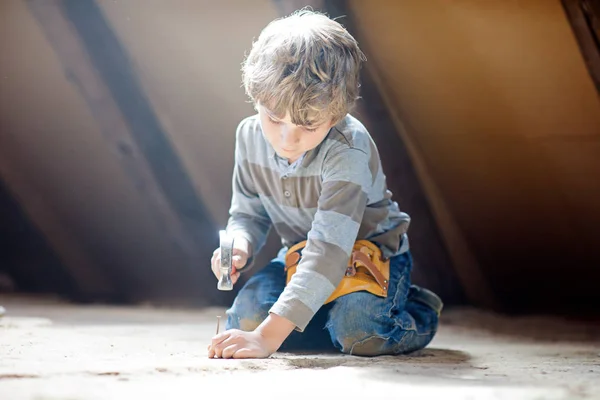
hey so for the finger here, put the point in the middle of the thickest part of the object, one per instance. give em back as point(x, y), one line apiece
point(219, 344)
point(220, 338)
point(211, 351)
point(218, 347)
point(239, 261)
point(216, 267)
point(229, 351)
point(235, 277)
point(244, 353)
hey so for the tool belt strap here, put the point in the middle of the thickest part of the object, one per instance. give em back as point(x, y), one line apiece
point(366, 270)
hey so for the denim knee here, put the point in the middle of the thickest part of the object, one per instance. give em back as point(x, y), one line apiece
point(246, 313)
point(400, 337)
point(254, 300)
point(357, 342)
point(359, 325)
point(351, 325)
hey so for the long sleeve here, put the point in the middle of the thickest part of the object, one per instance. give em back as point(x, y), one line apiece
point(247, 215)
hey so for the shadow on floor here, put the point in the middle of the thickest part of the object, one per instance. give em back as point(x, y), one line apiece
point(428, 356)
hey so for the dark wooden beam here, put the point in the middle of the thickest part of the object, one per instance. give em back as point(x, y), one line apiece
point(584, 17)
point(433, 266)
point(91, 281)
point(443, 259)
point(100, 68)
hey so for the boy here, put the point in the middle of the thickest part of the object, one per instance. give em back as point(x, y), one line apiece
point(306, 167)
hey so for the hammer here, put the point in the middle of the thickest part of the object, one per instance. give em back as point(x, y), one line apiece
point(226, 245)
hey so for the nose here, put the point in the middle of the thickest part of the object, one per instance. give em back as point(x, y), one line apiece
point(289, 136)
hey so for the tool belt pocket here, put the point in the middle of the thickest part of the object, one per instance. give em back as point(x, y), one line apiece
point(366, 270)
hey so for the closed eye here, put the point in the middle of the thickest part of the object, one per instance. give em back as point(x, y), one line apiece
point(306, 128)
point(274, 121)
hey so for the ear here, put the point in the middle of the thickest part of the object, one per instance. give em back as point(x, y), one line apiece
point(334, 122)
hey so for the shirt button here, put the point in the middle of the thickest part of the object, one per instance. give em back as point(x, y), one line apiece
point(287, 193)
point(285, 176)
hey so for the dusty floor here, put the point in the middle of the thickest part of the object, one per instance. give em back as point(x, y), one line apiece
point(53, 350)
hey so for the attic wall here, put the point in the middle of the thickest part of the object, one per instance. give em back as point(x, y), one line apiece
point(498, 109)
point(491, 99)
point(191, 69)
point(56, 162)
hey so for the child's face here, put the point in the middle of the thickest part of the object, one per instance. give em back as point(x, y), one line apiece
point(289, 140)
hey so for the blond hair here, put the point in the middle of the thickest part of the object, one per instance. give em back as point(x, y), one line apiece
point(306, 64)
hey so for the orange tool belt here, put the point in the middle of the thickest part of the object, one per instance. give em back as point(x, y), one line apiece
point(366, 271)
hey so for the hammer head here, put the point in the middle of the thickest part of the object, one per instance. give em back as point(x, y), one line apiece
point(226, 246)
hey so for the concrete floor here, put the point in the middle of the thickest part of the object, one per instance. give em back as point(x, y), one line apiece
point(54, 350)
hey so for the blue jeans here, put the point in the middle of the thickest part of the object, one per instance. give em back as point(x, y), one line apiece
point(358, 323)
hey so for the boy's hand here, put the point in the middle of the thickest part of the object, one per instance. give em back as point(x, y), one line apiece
point(239, 344)
point(241, 253)
point(261, 343)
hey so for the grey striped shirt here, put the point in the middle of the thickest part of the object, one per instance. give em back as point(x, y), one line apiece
point(332, 196)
